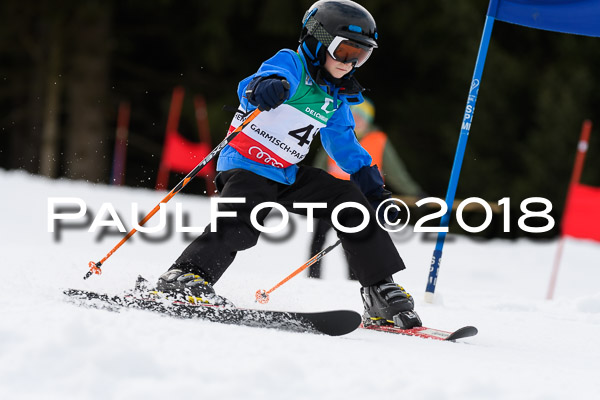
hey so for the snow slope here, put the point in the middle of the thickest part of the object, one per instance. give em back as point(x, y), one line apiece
point(527, 348)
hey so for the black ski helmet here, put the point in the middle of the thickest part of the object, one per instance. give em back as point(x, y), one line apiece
point(343, 18)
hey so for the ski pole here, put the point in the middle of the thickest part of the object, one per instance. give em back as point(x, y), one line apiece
point(262, 296)
point(95, 267)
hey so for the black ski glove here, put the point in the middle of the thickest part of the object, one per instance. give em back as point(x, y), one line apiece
point(267, 93)
point(370, 182)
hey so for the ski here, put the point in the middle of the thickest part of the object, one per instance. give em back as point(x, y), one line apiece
point(424, 332)
point(332, 323)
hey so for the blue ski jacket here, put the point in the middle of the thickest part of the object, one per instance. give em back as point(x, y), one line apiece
point(337, 136)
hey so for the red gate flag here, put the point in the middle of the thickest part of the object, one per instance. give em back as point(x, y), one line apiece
point(182, 155)
point(581, 218)
point(582, 213)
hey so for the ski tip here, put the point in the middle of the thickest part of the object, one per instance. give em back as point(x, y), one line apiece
point(335, 323)
point(464, 332)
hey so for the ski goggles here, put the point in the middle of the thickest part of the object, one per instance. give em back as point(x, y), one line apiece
point(348, 51)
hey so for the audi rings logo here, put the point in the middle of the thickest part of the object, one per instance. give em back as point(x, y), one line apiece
point(268, 159)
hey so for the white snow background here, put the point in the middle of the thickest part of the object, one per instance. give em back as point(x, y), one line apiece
point(527, 347)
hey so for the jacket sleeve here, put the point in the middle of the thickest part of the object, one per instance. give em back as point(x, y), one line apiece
point(340, 143)
point(284, 64)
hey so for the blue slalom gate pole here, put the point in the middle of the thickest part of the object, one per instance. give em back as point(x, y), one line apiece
point(460, 153)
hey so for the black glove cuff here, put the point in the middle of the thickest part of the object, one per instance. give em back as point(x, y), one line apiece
point(370, 182)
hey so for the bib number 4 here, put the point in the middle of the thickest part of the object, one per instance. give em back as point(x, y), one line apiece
point(303, 135)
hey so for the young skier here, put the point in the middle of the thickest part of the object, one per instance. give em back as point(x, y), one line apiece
point(301, 94)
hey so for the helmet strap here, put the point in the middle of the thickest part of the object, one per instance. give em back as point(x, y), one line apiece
point(314, 51)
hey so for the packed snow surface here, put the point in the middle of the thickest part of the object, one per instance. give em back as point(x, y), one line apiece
point(527, 347)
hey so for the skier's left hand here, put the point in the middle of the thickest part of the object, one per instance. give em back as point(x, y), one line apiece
point(370, 182)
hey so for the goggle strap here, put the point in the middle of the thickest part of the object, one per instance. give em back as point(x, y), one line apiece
point(307, 16)
point(314, 28)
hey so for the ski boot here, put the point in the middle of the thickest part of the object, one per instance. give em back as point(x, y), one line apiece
point(387, 303)
point(189, 287)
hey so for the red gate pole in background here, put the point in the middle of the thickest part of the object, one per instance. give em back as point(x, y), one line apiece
point(204, 133)
point(120, 153)
point(162, 180)
point(582, 147)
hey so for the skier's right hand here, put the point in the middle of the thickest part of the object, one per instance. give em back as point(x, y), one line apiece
point(267, 93)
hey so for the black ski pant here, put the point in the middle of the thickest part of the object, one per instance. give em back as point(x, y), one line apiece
point(318, 242)
point(371, 253)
